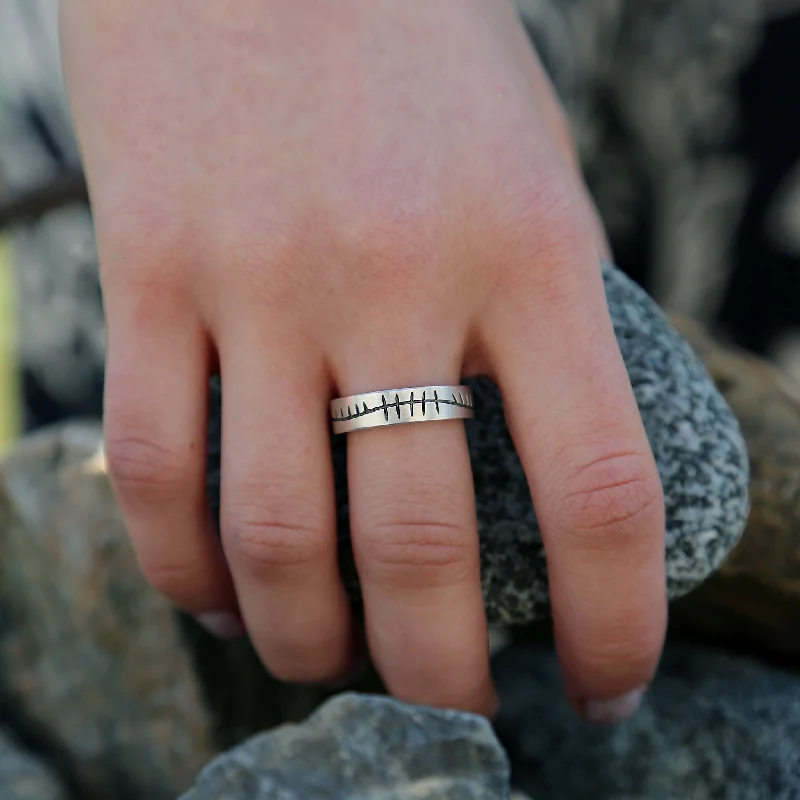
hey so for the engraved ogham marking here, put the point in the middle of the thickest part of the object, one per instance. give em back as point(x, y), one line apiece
point(458, 399)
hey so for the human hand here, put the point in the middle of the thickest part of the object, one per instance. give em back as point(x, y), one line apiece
point(321, 199)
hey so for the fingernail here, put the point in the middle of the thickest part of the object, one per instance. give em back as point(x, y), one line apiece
point(222, 624)
point(615, 709)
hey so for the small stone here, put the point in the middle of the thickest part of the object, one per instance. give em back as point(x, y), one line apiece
point(695, 438)
point(711, 725)
point(24, 777)
point(362, 747)
point(753, 601)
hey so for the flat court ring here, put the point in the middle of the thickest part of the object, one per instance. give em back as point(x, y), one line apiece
point(399, 406)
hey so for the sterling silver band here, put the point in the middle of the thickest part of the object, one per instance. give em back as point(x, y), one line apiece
point(398, 406)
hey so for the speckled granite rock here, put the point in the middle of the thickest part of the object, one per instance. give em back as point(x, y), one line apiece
point(712, 726)
point(23, 777)
point(361, 747)
point(754, 599)
point(91, 659)
point(695, 438)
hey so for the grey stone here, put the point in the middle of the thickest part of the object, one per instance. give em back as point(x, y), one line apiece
point(711, 726)
point(695, 438)
point(97, 668)
point(92, 659)
point(362, 747)
point(24, 777)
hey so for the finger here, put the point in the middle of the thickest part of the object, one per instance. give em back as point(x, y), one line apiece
point(278, 512)
point(155, 435)
point(593, 479)
point(412, 513)
point(560, 136)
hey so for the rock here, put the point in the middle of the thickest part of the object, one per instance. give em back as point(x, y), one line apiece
point(712, 725)
point(361, 747)
point(695, 438)
point(753, 601)
point(23, 777)
point(91, 659)
point(128, 695)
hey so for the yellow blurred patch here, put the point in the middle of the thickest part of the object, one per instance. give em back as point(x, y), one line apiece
point(10, 407)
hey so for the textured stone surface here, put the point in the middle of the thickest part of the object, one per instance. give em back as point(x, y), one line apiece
point(711, 726)
point(91, 659)
point(694, 436)
point(362, 747)
point(754, 599)
point(23, 777)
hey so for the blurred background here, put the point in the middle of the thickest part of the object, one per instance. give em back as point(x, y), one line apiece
point(686, 115)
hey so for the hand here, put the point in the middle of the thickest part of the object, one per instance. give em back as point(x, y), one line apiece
point(321, 199)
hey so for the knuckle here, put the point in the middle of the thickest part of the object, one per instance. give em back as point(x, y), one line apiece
point(385, 246)
point(552, 204)
point(411, 550)
point(136, 461)
point(147, 237)
point(606, 500)
point(545, 222)
point(265, 541)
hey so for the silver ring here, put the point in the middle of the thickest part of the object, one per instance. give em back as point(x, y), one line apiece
point(398, 406)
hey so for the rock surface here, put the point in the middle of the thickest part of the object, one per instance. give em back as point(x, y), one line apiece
point(711, 726)
point(695, 438)
point(362, 747)
point(128, 698)
point(91, 659)
point(754, 600)
point(23, 777)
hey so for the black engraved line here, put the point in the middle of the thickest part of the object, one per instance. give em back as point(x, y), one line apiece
point(412, 404)
point(463, 402)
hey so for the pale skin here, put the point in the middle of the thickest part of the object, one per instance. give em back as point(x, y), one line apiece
point(323, 198)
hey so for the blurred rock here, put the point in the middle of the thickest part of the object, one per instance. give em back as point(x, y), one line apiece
point(91, 658)
point(129, 697)
point(753, 601)
point(23, 777)
point(711, 726)
point(695, 438)
point(360, 747)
